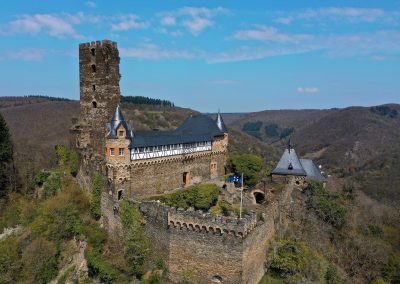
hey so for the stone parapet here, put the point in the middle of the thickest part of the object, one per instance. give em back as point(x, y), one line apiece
point(178, 218)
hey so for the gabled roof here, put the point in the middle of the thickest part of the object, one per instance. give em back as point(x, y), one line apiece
point(200, 125)
point(313, 172)
point(289, 164)
point(116, 121)
point(199, 128)
point(220, 123)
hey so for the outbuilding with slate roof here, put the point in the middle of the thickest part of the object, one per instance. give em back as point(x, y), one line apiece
point(291, 165)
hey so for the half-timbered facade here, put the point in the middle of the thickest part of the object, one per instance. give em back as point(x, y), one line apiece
point(142, 163)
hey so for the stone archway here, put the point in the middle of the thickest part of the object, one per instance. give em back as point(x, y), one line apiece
point(259, 196)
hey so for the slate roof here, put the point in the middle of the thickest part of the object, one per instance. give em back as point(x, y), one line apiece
point(199, 128)
point(116, 121)
point(313, 172)
point(221, 124)
point(200, 125)
point(289, 164)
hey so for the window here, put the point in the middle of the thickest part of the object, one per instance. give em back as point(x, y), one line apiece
point(93, 51)
point(119, 194)
point(121, 151)
point(94, 104)
point(141, 150)
point(121, 133)
point(93, 68)
point(112, 152)
point(94, 87)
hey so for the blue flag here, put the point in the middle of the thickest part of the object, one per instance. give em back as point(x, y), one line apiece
point(234, 179)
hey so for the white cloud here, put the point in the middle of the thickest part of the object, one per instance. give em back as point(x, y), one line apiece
point(168, 20)
point(193, 19)
point(352, 14)
point(153, 52)
point(308, 90)
point(246, 53)
point(26, 54)
point(127, 22)
point(91, 4)
point(267, 33)
point(54, 25)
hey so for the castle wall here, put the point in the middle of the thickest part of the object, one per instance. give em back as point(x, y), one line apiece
point(204, 248)
point(155, 176)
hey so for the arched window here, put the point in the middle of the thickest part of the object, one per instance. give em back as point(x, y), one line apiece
point(94, 104)
point(93, 68)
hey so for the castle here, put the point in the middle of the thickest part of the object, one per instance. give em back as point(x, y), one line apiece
point(140, 163)
point(213, 249)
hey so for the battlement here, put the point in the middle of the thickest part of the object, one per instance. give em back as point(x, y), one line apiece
point(98, 43)
point(199, 221)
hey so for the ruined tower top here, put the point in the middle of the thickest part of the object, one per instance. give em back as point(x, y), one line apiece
point(99, 88)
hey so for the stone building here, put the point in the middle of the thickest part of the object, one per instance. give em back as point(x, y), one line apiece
point(138, 163)
point(151, 162)
point(302, 169)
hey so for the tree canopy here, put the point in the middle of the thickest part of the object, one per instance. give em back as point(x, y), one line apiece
point(6, 157)
point(248, 164)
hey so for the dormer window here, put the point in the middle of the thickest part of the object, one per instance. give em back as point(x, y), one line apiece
point(121, 133)
point(112, 152)
point(121, 152)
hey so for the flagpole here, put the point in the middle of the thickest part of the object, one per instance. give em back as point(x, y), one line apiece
point(241, 199)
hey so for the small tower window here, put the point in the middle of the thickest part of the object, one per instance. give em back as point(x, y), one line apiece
point(121, 151)
point(94, 104)
point(112, 152)
point(93, 68)
point(121, 133)
point(119, 194)
point(94, 87)
point(93, 51)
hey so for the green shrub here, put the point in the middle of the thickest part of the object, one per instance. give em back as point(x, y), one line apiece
point(41, 177)
point(200, 197)
point(52, 185)
point(326, 206)
point(136, 242)
point(391, 271)
point(96, 236)
point(99, 266)
point(67, 159)
point(58, 219)
point(95, 201)
point(10, 264)
point(250, 165)
point(39, 261)
point(73, 163)
point(291, 258)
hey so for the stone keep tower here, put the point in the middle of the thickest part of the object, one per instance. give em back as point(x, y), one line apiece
point(99, 94)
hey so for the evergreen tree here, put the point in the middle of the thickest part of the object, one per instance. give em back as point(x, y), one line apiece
point(6, 156)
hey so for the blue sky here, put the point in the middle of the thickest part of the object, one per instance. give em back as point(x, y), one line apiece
point(234, 55)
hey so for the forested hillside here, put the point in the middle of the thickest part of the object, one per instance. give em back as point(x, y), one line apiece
point(344, 233)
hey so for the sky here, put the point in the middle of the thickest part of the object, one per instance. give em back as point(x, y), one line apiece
point(233, 55)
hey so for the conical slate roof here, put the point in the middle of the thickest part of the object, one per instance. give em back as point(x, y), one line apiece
point(313, 172)
point(289, 164)
point(116, 121)
point(220, 123)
